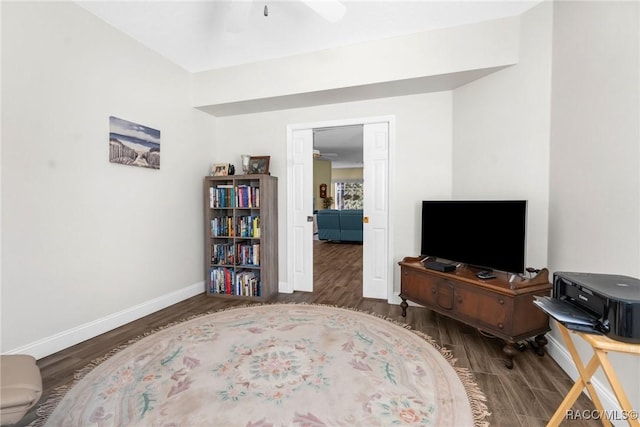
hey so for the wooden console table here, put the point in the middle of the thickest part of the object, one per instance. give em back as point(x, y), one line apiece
point(496, 306)
point(601, 345)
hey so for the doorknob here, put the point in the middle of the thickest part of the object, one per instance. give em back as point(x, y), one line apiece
point(365, 220)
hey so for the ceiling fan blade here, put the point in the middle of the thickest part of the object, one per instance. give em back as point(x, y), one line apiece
point(331, 10)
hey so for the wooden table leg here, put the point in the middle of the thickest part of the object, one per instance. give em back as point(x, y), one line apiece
point(575, 392)
point(541, 342)
point(625, 404)
point(404, 306)
point(583, 381)
point(510, 350)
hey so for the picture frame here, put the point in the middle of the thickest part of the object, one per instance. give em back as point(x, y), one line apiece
point(133, 144)
point(219, 169)
point(259, 165)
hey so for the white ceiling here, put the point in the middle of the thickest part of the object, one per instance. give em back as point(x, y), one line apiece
point(342, 146)
point(204, 35)
point(209, 34)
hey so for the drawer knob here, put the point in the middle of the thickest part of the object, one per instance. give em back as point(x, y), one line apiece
point(459, 299)
point(433, 290)
point(500, 325)
point(501, 301)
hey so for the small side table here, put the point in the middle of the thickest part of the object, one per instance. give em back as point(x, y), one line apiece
point(601, 345)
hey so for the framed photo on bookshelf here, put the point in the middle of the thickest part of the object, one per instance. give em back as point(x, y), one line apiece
point(259, 164)
point(219, 169)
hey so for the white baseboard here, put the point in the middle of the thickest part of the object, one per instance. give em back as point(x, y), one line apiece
point(284, 288)
point(394, 298)
point(73, 336)
point(562, 356)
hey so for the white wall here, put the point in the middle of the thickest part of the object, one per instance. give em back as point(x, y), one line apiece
point(423, 148)
point(348, 174)
point(321, 175)
point(431, 53)
point(594, 211)
point(501, 132)
point(87, 244)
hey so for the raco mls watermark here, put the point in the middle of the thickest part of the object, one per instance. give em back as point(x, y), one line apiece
point(611, 415)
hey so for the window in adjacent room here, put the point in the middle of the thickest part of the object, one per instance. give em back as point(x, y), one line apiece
point(349, 195)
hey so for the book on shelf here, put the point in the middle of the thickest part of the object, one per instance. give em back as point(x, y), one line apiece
point(222, 196)
point(248, 226)
point(248, 254)
point(230, 196)
point(247, 196)
point(248, 284)
point(222, 226)
point(223, 253)
point(228, 279)
point(221, 280)
point(224, 280)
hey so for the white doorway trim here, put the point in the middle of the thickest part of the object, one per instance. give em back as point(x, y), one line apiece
point(308, 189)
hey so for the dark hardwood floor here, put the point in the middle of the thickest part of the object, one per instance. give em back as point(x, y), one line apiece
point(525, 396)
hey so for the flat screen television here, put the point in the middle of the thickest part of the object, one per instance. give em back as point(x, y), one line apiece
point(489, 234)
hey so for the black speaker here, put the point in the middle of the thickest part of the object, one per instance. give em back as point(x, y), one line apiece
point(439, 266)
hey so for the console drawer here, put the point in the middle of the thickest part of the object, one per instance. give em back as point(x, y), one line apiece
point(493, 311)
point(418, 287)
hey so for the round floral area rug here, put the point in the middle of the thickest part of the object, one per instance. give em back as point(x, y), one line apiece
point(276, 365)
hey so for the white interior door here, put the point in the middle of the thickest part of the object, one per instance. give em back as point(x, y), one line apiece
point(377, 261)
point(376, 211)
point(300, 248)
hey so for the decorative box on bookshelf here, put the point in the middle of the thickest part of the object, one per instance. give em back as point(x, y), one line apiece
point(241, 236)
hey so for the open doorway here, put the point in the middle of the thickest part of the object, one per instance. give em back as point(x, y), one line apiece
point(338, 167)
point(378, 138)
point(338, 187)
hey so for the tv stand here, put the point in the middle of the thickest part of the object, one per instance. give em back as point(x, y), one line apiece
point(501, 307)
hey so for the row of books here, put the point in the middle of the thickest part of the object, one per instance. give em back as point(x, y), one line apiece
point(225, 280)
point(247, 196)
point(248, 254)
point(248, 226)
point(223, 253)
point(229, 196)
point(242, 254)
point(222, 226)
point(245, 226)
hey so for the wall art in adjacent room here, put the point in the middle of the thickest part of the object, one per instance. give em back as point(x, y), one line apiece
point(133, 144)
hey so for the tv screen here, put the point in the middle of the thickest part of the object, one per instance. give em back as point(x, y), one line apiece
point(485, 233)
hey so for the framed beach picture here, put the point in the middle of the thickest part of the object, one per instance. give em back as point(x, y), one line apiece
point(259, 164)
point(220, 169)
point(133, 144)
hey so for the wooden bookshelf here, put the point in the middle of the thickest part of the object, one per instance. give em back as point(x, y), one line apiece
point(241, 236)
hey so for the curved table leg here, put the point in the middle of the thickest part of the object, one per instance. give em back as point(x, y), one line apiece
point(541, 341)
point(404, 306)
point(510, 350)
